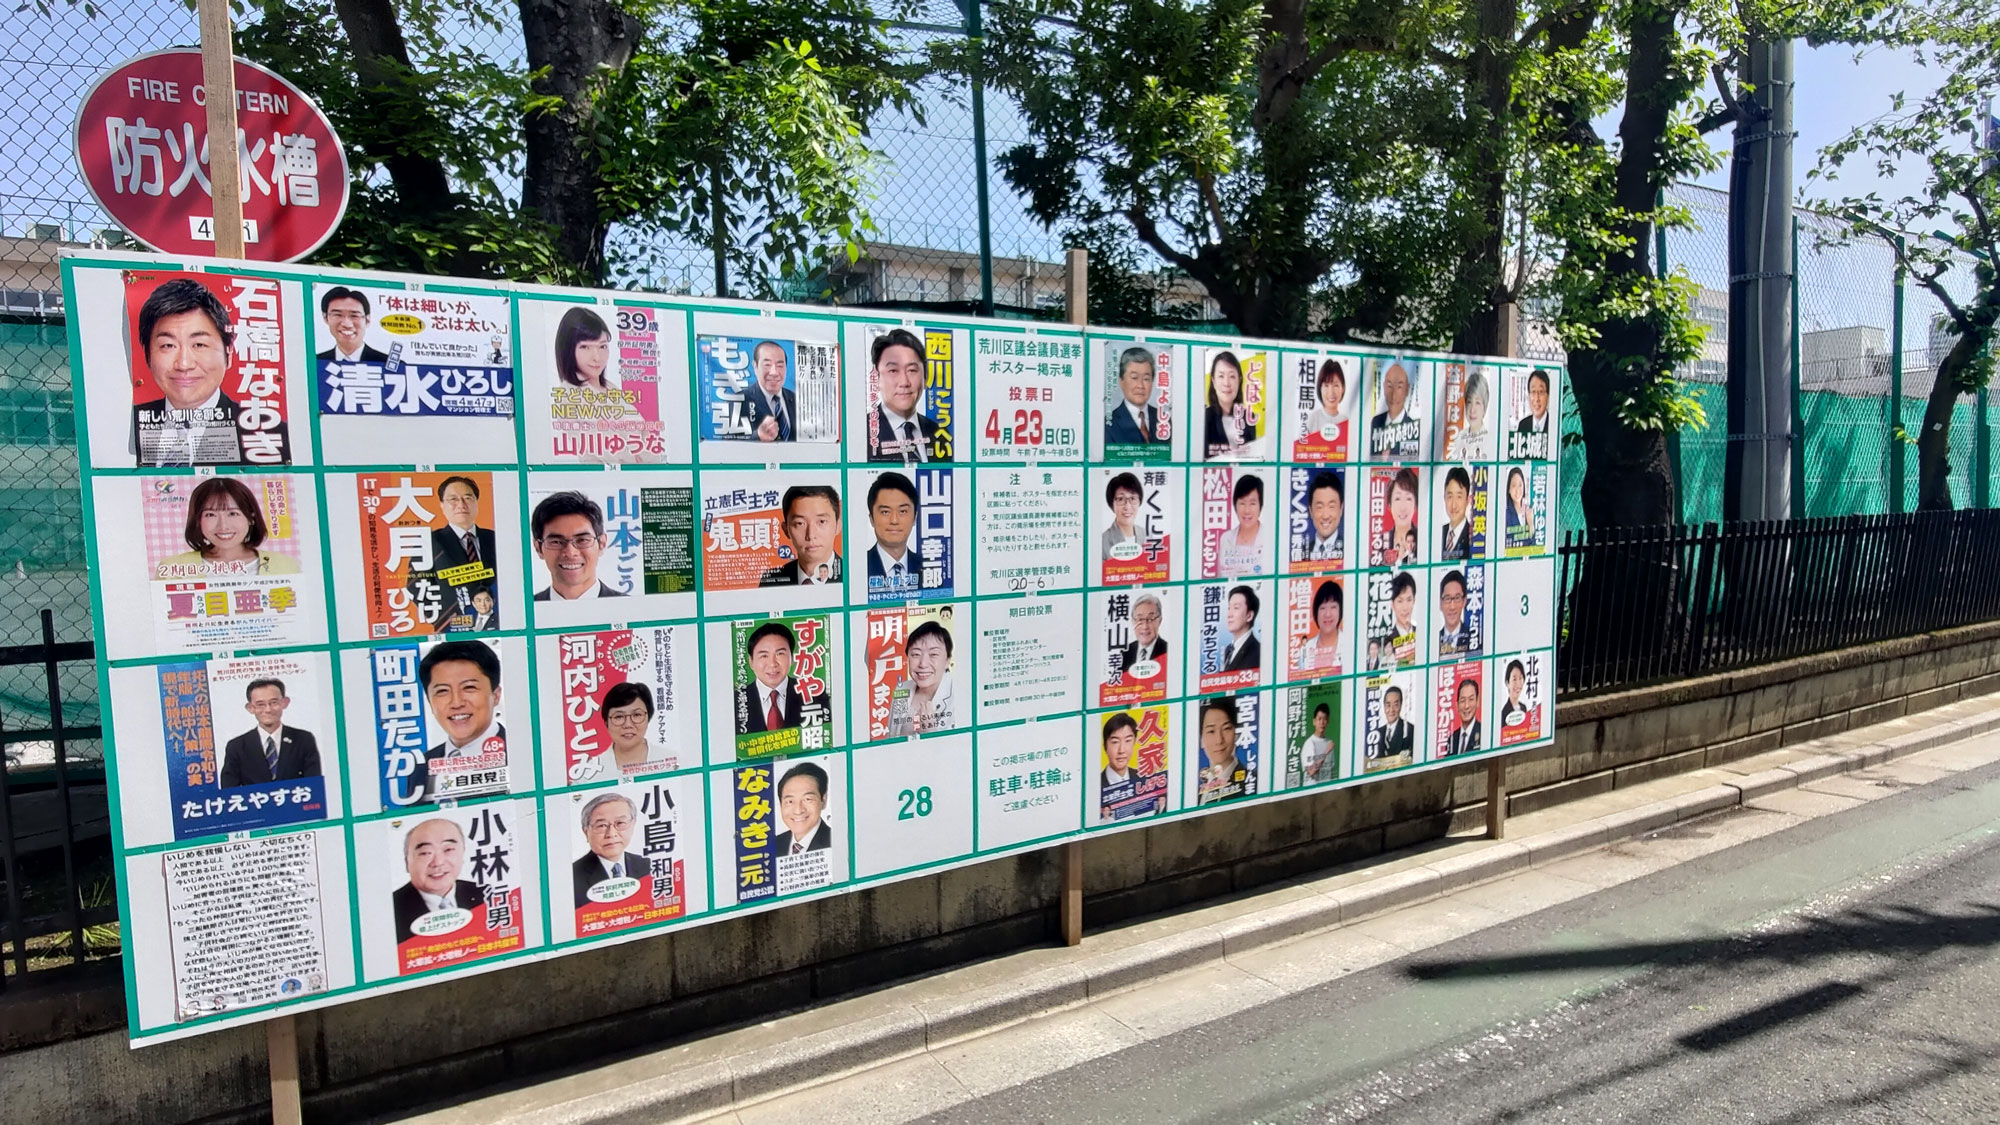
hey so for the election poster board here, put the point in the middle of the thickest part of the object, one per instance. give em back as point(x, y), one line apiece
point(456, 623)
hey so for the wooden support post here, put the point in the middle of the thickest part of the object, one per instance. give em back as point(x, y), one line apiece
point(1076, 301)
point(281, 1038)
point(1496, 799)
point(218, 80)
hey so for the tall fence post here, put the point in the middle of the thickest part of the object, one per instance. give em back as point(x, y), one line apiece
point(1076, 301)
point(1896, 385)
point(1801, 503)
point(975, 32)
point(1673, 432)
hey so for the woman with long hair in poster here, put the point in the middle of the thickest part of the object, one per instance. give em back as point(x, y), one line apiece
point(1228, 428)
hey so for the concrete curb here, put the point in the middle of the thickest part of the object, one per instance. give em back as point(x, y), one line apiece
point(891, 1030)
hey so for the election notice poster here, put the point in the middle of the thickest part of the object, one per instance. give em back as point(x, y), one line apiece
point(606, 383)
point(1030, 396)
point(1030, 783)
point(1030, 658)
point(1028, 540)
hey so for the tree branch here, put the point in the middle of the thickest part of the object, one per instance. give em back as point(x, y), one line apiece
point(1214, 203)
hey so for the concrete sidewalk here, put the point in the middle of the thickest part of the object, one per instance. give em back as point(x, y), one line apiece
point(906, 1036)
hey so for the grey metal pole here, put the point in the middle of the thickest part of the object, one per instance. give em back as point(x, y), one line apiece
point(975, 31)
point(1758, 472)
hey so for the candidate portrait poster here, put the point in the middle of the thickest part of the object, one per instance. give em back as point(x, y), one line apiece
point(1395, 533)
point(1523, 705)
point(1229, 631)
point(1132, 779)
point(914, 665)
point(1315, 732)
point(636, 856)
point(1315, 626)
point(209, 359)
point(449, 887)
point(1525, 504)
point(610, 547)
point(1236, 538)
point(1134, 526)
point(389, 353)
point(1459, 708)
point(1227, 747)
point(1467, 412)
point(914, 380)
point(1462, 595)
point(1315, 527)
point(781, 684)
point(622, 703)
point(1462, 509)
point(431, 554)
point(1320, 407)
point(1529, 417)
point(1132, 649)
point(605, 383)
point(1141, 384)
point(766, 388)
point(772, 539)
point(1030, 393)
point(1236, 407)
point(1396, 399)
point(436, 720)
point(1392, 731)
point(912, 537)
point(1395, 625)
point(780, 827)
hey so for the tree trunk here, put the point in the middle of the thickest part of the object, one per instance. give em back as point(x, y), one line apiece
point(381, 62)
point(1934, 442)
point(574, 42)
point(1490, 85)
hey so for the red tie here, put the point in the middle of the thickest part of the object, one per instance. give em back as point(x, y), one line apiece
point(773, 720)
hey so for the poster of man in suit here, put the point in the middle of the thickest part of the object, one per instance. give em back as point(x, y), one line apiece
point(197, 397)
point(459, 896)
point(911, 385)
point(636, 854)
point(782, 676)
point(262, 769)
point(1392, 730)
point(1141, 385)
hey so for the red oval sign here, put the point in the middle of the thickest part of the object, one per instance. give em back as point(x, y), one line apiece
point(142, 141)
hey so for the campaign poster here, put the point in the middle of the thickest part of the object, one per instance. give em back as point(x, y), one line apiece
point(456, 884)
point(1315, 626)
point(208, 363)
point(624, 702)
point(1236, 411)
point(1315, 519)
point(768, 532)
point(1524, 704)
point(1460, 703)
point(439, 729)
point(1133, 647)
point(912, 536)
point(913, 390)
point(1132, 771)
point(1030, 536)
point(1235, 537)
point(1395, 395)
point(602, 381)
point(1527, 503)
point(766, 385)
point(430, 557)
point(610, 547)
point(1030, 395)
point(1314, 732)
point(1395, 537)
point(1461, 611)
point(233, 771)
point(782, 824)
point(1466, 403)
point(246, 923)
point(1392, 721)
point(636, 853)
point(1031, 659)
point(395, 353)
point(915, 671)
point(1141, 385)
point(226, 559)
point(1228, 747)
point(1463, 506)
point(782, 682)
point(1530, 413)
point(1229, 635)
point(1394, 627)
point(1138, 517)
point(1323, 391)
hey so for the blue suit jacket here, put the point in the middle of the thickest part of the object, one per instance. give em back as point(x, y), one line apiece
point(1120, 428)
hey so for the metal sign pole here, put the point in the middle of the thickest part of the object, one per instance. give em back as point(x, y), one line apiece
point(1076, 289)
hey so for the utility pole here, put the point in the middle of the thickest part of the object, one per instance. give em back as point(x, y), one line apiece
point(1758, 471)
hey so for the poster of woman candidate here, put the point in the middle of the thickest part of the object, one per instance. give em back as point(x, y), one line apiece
point(1227, 747)
point(1320, 404)
point(430, 553)
point(1394, 630)
point(445, 887)
point(1315, 519)
point(912, 537)
point(620, 703)
point(604, 383)
point(914, 666)
point(1392, 731)
point(779, 828)
point(1395, 535)
point(1466, 411)
point(609, 547)
point(783, 691)
point(772, 540)
point(209, 368)
point(1134, 521)
point(626, 857)
point(915, 376)
point(1315, 732)
point(1522, 707)
point(1236, 538)
point(222, 563)
point(223, 745)
point(1315, 626)
point(1525, 509)
point(1132, 645)
point(1237, 384)
point(1131, 776)
point(767, 388)
point(428, 721)
point(1141, 384)
point(1396, 395)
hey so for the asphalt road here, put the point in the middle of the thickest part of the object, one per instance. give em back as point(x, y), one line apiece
point(1840, 970)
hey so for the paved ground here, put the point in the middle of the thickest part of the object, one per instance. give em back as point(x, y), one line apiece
point(1825, 953)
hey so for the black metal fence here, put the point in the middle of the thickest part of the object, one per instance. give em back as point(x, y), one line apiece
point(1644, 605)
